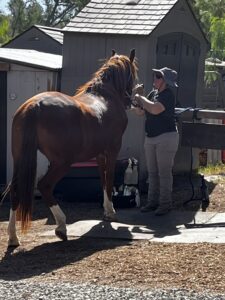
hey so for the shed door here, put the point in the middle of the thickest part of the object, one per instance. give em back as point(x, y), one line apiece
point(3, 124)
point(180, 52)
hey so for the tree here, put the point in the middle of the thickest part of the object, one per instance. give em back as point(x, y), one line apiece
point(217, 31)
point(34, 13)
point(60, 12)
point(211, 14)
point(4, 29)
point(25, 13)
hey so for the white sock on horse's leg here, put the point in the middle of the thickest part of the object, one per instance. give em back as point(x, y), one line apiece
point(109, 211)
point(60, 219)
point(13, 239)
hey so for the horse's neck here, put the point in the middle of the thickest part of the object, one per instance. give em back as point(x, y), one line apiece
point(106, 90)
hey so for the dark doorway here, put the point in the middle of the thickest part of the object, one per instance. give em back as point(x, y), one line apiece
point(180, 52)
point(3, 126)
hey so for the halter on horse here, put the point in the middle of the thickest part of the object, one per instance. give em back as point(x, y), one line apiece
point(69, 129)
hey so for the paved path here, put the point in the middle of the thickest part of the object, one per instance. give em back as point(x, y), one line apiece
point(176, 227)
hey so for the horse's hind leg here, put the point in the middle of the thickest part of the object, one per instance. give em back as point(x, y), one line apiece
point(46, 186)
point(13, 240)
point(107, 167)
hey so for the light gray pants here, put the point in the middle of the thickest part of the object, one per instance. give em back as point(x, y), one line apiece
point(160, 152)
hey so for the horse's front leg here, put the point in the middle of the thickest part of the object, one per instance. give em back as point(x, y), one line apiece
point(107, 169)
point(109, 211)
point(46, 186)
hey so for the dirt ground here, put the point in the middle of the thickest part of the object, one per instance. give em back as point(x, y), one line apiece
point(125, 263)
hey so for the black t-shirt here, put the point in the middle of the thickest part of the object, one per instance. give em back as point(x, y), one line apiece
point(165, 121)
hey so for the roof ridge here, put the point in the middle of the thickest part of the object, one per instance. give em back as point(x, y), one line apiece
point(48, 27)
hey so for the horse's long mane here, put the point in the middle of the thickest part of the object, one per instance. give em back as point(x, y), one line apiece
point(114, 70)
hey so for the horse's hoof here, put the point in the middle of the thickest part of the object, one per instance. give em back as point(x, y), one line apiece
point(111, 218)
point(13, 243)
point(61, 235)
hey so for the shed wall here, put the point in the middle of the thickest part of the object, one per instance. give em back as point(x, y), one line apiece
point(77, 71)
point(180, 19)
point(23, 83)
point(84, 54)
point(3, 133)
point(86, 61)
point(36, 40)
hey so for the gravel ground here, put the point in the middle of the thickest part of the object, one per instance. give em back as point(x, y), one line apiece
point(94, 269)
point(27, 291)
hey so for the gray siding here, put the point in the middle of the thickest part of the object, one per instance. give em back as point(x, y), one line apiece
point(82, 55)
point(3, 130)
point(36, 40)
point(79, 63)
point(85, 53)
point(23, 83)
point(185, 23)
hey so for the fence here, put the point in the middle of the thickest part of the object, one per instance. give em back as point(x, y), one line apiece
point(203, 129)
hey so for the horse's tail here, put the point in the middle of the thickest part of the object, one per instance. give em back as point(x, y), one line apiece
point(4, 193)
point(26, 168)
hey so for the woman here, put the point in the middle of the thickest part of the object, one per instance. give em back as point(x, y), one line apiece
point(161, 141)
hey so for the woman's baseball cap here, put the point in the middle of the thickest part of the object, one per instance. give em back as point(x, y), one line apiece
point(169, 75)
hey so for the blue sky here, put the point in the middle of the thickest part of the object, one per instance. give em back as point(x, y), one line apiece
point(3, 4)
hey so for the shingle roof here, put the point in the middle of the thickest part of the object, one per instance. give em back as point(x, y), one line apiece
point(53, 32)
point(31, 58)
point(120, 16)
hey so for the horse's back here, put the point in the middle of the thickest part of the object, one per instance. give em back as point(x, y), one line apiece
point(69, 127)
point(83, 124)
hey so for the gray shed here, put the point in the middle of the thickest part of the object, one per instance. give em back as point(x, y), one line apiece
point(163, 32)
point(23, 73)
point(40, 38)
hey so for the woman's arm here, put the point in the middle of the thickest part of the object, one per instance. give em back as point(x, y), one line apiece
point(154, 108)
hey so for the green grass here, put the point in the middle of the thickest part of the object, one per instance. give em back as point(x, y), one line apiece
point(218, 169)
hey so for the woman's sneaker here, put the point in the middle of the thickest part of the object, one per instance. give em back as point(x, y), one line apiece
point(149, 207)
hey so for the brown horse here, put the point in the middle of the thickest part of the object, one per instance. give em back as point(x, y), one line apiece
point(69, 129)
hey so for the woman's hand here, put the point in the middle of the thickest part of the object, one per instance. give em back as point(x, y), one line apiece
point(138, 100)
point(139, 89)
point(138, 108)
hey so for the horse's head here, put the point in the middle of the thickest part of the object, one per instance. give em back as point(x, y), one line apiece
point(115, 79)
point(124, 75)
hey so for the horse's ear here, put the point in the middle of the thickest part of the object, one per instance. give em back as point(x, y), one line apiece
point(132, 55)
point(113, 52)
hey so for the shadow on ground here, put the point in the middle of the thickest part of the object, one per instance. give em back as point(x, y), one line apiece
point(48, 257)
